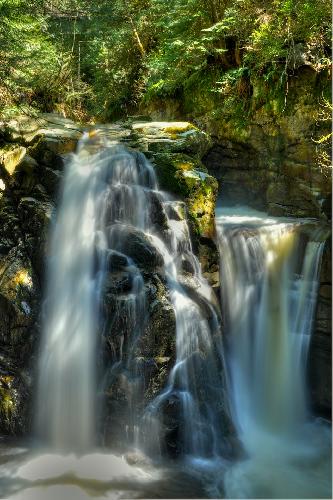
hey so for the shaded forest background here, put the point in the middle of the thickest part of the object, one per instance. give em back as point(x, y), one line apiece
point(105, 60)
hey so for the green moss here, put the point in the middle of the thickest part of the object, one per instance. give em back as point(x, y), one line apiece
point(174, 131)
point(187, 177)
point(7, 402)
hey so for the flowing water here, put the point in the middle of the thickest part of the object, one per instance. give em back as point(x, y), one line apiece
point(196, 381)
point(110, 207)
point(65, 410)
point(269, 277)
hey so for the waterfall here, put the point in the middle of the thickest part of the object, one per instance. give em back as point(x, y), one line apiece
point(106, 193)
point(230, 397)
point(269, 288)
point(269, 280)
point(110, 211)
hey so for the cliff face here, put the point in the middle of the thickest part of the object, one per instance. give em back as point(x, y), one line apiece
point(320, 357)
point(266, 156)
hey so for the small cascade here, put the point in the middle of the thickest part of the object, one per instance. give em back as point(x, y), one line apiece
point(269, 289)
point(194, 393)
point(269, 276)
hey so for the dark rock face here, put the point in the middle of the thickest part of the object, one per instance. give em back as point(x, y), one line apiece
point(320, 356)
point(272, 180)
point(240, 179)
point(138, 353)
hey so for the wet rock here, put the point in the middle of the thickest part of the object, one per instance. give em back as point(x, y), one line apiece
point(176, 210)
point(27, 129)
point(158, 216)
point(36, 215)
point(14, 395)
point(118, 282)
point(115, 261)
point(10, 157)
point(139, 351)
point(136, 245)
point(210, 262)
point(290, 198)
point(51, 180)
point(172, 411)
point(19, 304)
point(158, 339)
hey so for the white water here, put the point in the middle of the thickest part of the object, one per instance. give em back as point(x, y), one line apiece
point(105, 194)
point(269, 277)
point(109, 198)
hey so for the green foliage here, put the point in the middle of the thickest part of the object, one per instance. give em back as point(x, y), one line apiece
point(104, 59)
point(35, 71)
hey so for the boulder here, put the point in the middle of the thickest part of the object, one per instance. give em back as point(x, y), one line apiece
point(136, 245)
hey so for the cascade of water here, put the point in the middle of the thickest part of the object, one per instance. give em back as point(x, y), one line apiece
point(195, 386)
point(269, 303)
point(65, 413)
point(269, 280)
point(109, 210)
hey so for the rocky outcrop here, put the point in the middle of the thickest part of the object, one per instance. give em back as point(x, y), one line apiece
point(176, 150)
point(138, 352)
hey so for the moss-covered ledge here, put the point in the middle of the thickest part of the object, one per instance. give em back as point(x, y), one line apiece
point(183, 175)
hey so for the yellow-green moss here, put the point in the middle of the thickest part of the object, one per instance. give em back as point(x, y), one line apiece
point(175, 130)
point(185, 176)
point(7, 403)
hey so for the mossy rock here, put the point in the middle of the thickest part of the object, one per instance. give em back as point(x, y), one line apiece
point(171, 137)
point(8, 406)
point(51, 150)
point(184, 176)
point(10, 157)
